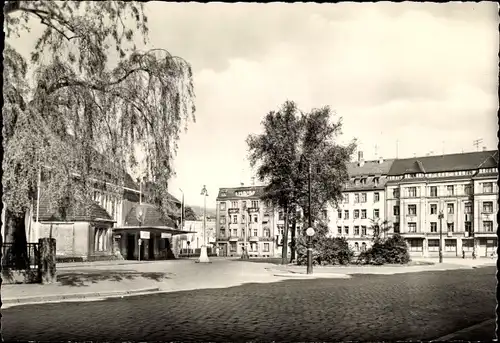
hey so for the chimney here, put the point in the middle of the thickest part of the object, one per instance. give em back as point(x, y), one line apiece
point(253, 181)
point(242, 184)
point(380, 160)
point(361, 161)
point(484, 148)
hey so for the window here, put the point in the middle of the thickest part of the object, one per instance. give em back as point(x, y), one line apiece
point(255, 204)
point(363, 230)
point(356, 231)
point(242, 219)
point(222, 206)
point(363, 214)
point(255, 232)
point(100, 239)
point(339, 213)
point(468, 189)
point(433, 244)
point(363, 197)
point(235, 232)
point(356, 246)
point(242, 232)
point(324, 214)
point(412, 192)
point(223, 219)
point(266, 247)
point(488, 226)
point(253, 247)
point(376, 197)
point(451, 227)
point(222, 232)
point(267, 232)
point(235, 219)
point(232, 246)
point(256, 218)
point(450, 208)
point(346, 198)
point(363, 246)
point(434, 191)
point(450, 190)
point(412, 210)
point(234, 204)
point(412, 227)
point(488, 207)
point(434, 227)
point(468, 208)
point(416, 244)
point(396, 227)
point(376, 213)
point(468, 227)
point(363, 181)
point(467, 245)
point(450, 245)
point(346, 214)
point(244, 204)
point(339, 230)
point(375, 181)
point(356, 214)
point(395, 210)
point(281, 229)
point(356, 198)
point(395, 193)
point(346, 230)
point(488, 187)
point(281, 215)
point(434, 208)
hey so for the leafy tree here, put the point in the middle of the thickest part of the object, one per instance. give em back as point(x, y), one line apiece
point(189, 214)
point(294, 148)
point(380, 229)
point(390, 250)
point(85, 119)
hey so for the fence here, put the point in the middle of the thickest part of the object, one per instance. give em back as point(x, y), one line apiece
point(30, 260)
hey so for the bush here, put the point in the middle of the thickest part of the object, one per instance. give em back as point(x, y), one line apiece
point(391, 250)
point(326, 251)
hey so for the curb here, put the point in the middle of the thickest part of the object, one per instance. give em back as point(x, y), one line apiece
point(456, 335)
point(312, 276)
point(74, 296)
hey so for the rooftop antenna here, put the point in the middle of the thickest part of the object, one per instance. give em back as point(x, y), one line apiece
point(477, 142)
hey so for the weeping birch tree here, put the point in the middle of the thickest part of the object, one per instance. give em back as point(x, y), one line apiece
point(85, 116)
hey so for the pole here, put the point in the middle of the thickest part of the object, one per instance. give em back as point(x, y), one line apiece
point(309, 238)
point(441, 237)
point(204, 219)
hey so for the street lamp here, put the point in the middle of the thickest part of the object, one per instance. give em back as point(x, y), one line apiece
point(310, 230)
point(244, 255)
point(440, 217)
point(203, 253)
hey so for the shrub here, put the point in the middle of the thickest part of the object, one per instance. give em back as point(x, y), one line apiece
point(391, 250)
point(326, 251)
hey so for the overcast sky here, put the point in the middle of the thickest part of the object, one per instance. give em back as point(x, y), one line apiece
point(421, 74)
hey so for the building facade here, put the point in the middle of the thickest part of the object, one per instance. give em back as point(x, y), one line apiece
point(455, 194)
point(242, 214)
point(363, 203)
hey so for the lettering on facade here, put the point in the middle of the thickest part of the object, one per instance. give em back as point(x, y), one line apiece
point(244, 193)
point(233, 210)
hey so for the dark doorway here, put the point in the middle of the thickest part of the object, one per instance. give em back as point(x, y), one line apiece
point(151, 248)
point(130, 247)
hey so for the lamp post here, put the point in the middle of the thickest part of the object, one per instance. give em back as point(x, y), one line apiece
point(440, 217)
point(309, 231)
point(203, 253)
point(244, 255)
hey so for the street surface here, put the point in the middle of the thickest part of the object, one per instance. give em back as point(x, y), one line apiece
point(417, 306)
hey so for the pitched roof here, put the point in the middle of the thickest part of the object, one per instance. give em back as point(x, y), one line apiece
point(369, 168)
point(243, 192)
point(152, 218)
point(74, 213)
point(444, 163)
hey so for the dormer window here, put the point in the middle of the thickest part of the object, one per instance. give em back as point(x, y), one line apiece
point(376, 180)
point(363, 181)
point(356, 181)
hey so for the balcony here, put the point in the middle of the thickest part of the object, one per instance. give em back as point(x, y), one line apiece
point(253, 239)
point(233, 210)
point(233, 238)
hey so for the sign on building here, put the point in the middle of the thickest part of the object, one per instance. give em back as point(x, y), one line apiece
point(166, 235)
point(144, 234)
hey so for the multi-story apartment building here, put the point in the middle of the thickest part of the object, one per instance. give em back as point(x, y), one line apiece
point(460, 187)
point(363, 202)
point(241, 213)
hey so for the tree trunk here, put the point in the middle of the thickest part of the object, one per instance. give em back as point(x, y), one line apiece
point(284, 255)
point(15, 234)
point(294, 229)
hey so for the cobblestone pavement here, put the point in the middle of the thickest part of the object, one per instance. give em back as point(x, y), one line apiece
point(418, 306)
